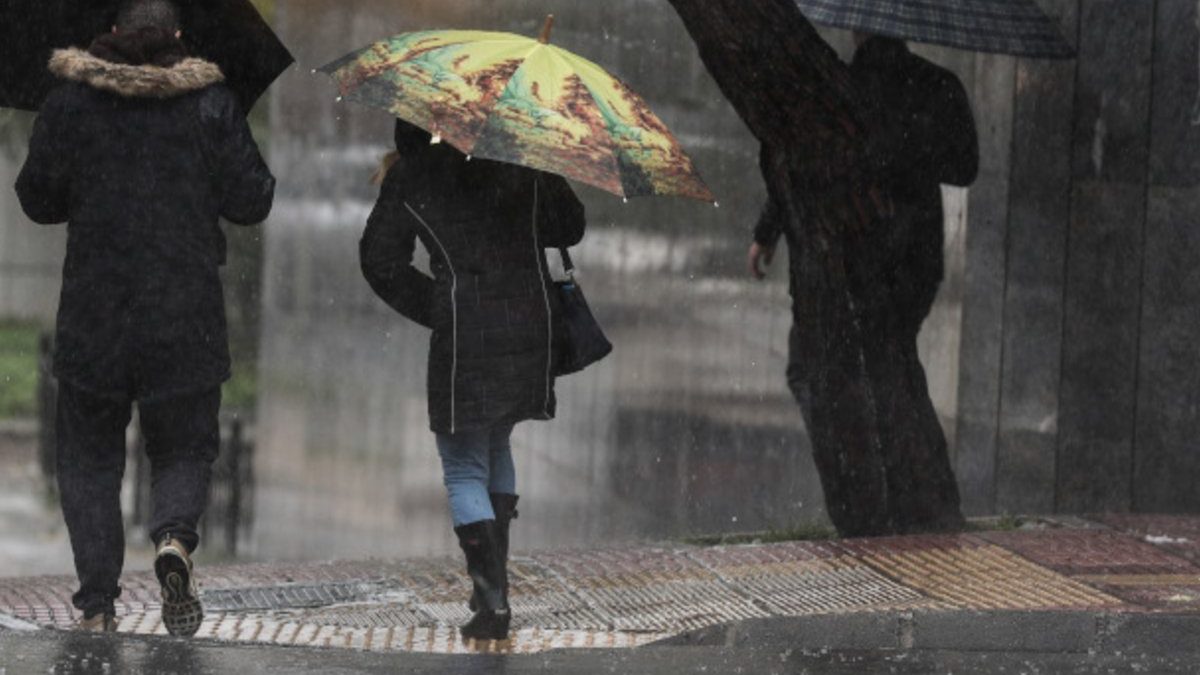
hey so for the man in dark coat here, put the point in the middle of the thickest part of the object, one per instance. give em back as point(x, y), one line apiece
point(493, 308)
point(141, 150)
point(923, 133)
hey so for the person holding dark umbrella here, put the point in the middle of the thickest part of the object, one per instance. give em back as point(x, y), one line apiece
point(923, 134)
point(141, 149)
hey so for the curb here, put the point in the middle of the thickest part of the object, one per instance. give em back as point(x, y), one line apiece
point(1082, 632)
point(10, 623)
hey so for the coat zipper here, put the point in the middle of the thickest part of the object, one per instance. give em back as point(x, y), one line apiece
point(453, 310)
point(537, 251)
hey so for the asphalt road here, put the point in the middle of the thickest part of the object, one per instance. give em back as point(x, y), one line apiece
point(60, 653)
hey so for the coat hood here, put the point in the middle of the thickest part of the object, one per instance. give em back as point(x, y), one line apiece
point(135, 81)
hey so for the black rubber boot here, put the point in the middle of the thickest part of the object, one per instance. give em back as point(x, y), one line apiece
point(480, 543)
point(505, 508)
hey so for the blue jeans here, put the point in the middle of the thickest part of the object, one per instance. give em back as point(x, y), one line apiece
point(474, 464)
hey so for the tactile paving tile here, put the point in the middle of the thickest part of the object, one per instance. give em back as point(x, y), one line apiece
point(555, 611)
point(806, 578)
point(1179, 535)
point(41, 600)
point(381, 615)
point(629, 597)
point(440, 590)
point(1122, 565)
point(299, 629)
point(1091, 552)
point(970, 573)
point(649, 589)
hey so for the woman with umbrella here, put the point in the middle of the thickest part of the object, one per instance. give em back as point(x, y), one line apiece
point(492, 307)
point(486, 203)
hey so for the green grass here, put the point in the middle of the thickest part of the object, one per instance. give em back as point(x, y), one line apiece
point(1001, 523)
point(240, 392)
point(18, 370)
point(19, 375)
point(807, 532)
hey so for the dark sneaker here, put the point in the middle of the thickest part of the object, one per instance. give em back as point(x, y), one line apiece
point(181, 609)
point(99, 623)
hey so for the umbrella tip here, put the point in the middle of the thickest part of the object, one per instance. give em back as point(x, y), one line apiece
point(544, 38)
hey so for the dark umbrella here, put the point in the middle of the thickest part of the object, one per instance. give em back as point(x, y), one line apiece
point(1017, 27)
point(230, 33)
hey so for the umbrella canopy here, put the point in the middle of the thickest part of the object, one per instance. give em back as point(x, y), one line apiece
point(230, 33)
point(1017, 27)
point(515, 99)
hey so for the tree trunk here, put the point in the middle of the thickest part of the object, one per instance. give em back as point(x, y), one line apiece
point(876, 439)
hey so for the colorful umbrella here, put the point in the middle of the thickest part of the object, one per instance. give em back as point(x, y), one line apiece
point(515, 99)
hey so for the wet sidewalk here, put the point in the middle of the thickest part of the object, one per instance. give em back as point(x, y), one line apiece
point(1112, 566)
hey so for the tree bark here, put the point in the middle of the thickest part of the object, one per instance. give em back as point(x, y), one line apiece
point(868, 415)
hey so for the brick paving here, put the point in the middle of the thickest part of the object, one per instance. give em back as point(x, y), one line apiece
point(631, 596)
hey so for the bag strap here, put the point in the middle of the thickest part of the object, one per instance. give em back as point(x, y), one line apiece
point(568, 264)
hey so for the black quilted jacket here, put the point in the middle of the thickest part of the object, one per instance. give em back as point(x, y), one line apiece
point(491, 303)
point(141, 161)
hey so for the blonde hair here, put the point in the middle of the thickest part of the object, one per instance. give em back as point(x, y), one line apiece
point(385, 164)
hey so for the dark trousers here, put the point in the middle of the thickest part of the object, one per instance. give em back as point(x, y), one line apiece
point(182, 441)
point(910, 487)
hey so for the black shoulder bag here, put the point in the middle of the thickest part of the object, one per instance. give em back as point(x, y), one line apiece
point(581, 342)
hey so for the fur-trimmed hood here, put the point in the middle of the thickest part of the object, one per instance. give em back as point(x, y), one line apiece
point(135, 81)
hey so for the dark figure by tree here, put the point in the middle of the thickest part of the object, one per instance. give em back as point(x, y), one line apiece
point(853, 158)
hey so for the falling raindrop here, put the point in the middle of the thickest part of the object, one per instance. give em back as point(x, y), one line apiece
point(338, 99)
point(717, 205)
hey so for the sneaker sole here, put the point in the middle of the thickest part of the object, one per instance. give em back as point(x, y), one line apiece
point(182, 612)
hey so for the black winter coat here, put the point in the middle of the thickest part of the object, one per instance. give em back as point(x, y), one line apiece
point(141, 160)
point(923, 133)
point(491, 302)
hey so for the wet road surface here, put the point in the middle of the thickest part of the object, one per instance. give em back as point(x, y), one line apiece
point(61, 652)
